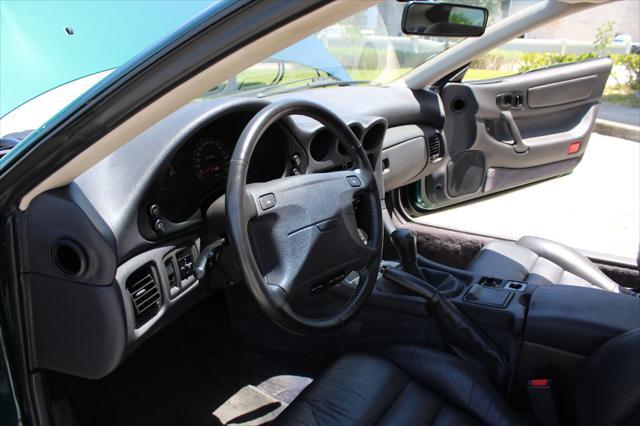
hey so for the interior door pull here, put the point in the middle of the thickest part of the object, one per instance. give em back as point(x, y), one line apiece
point(518, 145)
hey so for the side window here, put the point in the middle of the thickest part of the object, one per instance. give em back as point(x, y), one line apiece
point(497, 63)
point(572, 39)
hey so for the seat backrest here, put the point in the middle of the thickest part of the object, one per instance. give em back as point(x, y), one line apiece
point(571, 260)
point(609, 393)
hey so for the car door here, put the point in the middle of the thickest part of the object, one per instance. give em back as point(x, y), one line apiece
point(8, 401)
point(507, 132)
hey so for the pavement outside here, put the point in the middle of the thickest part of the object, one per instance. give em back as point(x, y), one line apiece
point(596, 208)
point(620, 113)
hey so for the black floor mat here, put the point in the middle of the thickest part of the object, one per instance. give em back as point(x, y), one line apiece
point(185, 373)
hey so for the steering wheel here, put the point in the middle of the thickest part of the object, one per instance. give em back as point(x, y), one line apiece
point(298, 235)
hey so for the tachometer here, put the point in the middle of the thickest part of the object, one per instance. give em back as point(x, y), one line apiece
point(210, 159)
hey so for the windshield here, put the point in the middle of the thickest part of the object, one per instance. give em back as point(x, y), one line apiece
point(53, 51)
point(366, 48)
point(44, 44)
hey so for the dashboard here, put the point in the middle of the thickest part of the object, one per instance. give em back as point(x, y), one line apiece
point(116, 246)
point(197, 173)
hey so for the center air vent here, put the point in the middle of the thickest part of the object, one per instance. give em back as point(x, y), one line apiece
point(145, 294)
point(435, 147)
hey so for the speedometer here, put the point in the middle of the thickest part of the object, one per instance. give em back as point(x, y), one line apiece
point(210, 159)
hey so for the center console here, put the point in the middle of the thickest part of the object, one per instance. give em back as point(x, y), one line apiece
point(565, 325)
point(486, 300)
point(543, 331)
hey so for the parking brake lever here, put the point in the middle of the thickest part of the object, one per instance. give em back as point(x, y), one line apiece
point(461, 336)
point(412, 283)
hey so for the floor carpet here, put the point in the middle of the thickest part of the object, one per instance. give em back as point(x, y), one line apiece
point(194, 372)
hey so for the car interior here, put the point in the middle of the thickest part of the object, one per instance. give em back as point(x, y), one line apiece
point(248, 260)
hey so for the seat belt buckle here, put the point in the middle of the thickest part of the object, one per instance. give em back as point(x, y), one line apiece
point(542, 401)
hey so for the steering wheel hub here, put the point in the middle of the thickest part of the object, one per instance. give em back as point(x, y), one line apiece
point(297, 235)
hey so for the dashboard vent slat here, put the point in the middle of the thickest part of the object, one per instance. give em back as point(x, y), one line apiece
point(145, 294)
point(434, 143)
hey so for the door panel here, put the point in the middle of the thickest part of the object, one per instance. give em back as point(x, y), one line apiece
point(515, 130)
point(561, 93)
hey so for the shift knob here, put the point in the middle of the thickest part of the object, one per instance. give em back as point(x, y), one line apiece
point(404, 241)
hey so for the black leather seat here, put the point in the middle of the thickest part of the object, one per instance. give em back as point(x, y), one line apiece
point(402, 385)
point(539, 261)
point(409, 385)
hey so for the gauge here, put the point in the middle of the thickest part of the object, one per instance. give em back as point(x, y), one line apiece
point(171, 192)
point(210, 159)
point(171, 183)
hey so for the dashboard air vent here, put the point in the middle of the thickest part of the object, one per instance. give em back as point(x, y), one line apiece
point(145, 294)
point(435, 147)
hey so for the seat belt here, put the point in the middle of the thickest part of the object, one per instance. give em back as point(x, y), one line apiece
point(542, 401)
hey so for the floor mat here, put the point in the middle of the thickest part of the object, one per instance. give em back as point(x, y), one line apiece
point(249, 406)
point(256, 405)
point(194, 372)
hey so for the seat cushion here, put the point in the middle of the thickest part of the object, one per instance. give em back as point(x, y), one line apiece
point(539, 261)
point(401, 385)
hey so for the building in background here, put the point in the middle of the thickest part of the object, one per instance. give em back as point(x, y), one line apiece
point(582, 26)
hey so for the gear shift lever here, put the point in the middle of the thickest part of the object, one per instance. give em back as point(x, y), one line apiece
point(404, 240)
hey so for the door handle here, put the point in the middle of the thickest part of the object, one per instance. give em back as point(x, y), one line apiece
point(518, 145)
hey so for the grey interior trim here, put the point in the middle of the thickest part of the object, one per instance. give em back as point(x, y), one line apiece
point(155, 258)
point(399, 134)
point(118, 200)
point(77, 329)
point(61, 217)
point(485, 92)
point(499, 178)
point(399, 105)
point(562, 92)
point(403, 162)
point(405, 155)
point(88, 330)
point(536, 260)
point(532, 145)
point(542, 149)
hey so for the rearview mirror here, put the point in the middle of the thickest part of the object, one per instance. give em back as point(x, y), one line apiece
point(443, 19)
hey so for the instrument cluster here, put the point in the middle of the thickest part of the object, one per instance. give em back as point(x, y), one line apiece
point(197, 174)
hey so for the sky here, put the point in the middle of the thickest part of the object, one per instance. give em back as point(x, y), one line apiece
point(37, 54)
